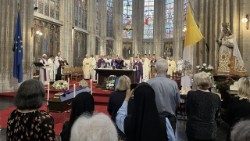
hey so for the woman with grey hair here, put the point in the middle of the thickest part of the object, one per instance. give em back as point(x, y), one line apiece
point(27, 122)
point(202, 109)
point(241, 131)
point(99, 127)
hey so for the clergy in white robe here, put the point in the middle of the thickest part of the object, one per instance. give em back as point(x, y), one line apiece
point(171, 67)
point(43, 72)
point(51, 69)
point(86, 67)
point(93, 67)
point(146, 69)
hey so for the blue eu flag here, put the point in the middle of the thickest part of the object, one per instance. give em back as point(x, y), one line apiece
point(18, 52)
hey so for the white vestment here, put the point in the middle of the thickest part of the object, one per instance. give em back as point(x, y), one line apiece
point(51, 69)
point(146, 69)
point(93, 67)
point(180, 65)
point(171, 67)
point(86, 67)
point(43, 72)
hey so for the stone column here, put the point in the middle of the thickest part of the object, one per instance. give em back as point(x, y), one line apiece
point(178, 29)
point(91, 27)
point(159, 30)
point(118, 9)
point(67, 30)
point(103, 9)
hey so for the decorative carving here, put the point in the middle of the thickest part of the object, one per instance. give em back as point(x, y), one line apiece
point(80, 48)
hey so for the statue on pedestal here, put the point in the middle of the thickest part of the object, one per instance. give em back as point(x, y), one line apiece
point(230, 61)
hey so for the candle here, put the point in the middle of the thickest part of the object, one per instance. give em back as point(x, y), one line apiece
point(128, 51)
point(48, 93)
point(68, 83)
point(74, 90)
point(145, 52)
point(149, 52)
point(91, 86)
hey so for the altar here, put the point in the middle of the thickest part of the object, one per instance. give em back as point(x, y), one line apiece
point(104, 73)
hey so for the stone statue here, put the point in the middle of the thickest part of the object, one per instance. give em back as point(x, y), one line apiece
point(230, 61)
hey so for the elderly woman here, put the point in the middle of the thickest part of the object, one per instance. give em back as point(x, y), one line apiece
point(202, 108)
point(27, 122)
point(239, 105)
point(98, 127)
point(117, 97)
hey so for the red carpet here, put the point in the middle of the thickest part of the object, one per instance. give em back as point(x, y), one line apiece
point(101, 98)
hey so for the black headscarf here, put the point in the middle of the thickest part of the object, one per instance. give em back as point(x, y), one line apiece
point(144, 123)
point(82, 103)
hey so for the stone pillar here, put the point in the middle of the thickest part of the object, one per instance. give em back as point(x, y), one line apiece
point(138, 24)
point(159, 30)
point(67, 30)
point(103, 9)
point(8, 11)
point(91, 20)
point(118, 27)
point(178, 29)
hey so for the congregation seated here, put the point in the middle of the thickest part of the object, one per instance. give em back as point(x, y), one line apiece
point(202, 109)
point(143, 123)
point(83, 103)
point(117, 97)
point(241, 131)
point(98, 127)
point(27, 122)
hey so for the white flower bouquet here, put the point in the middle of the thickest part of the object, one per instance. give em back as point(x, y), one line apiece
point(60, 85)
point(204, 67)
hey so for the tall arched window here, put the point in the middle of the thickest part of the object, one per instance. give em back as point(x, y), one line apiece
point(169, 18)
point(127, 18)
point(148, 19)
point(49, 8)
point(80, 13)
point(110, 6)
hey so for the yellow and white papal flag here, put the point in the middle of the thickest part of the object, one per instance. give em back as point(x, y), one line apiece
point(192, 35)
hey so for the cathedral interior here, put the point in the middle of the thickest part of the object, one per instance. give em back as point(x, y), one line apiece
point(125, 28)
point(117, 27)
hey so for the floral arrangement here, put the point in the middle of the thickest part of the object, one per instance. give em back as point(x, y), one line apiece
point(60, 85)
point(205, 68)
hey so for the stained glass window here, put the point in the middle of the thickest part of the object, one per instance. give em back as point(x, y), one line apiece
point(148, 19)
point(49, 8)
point(98, 18)
point(127, 18)
point(110, 6)
point(169, 18)
point(81, 13)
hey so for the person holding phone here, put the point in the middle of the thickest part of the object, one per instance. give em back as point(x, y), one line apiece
point(117, 97)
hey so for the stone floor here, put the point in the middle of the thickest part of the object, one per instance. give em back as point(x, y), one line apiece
point(181, 136)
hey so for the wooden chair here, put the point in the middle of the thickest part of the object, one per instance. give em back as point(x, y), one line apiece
point(66, 73)
point(77, 74)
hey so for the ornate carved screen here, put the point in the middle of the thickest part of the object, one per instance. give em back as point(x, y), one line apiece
point(80, 47)
point(46, 38)
point(127, 50)
point(109, 47)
